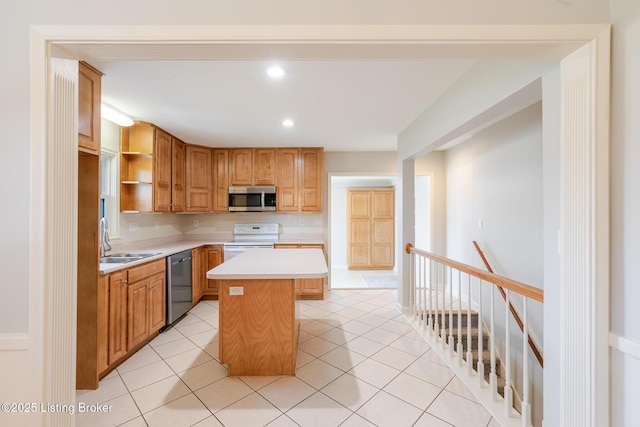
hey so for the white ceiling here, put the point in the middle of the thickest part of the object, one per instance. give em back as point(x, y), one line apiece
point(342, 105)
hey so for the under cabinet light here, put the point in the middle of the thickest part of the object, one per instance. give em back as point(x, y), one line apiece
point(275, 72)
point(115, 116)
point(287, 123)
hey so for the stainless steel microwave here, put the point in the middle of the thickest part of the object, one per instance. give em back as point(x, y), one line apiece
point(255, 198)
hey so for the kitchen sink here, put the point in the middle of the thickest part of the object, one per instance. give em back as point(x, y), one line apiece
point(125, 257)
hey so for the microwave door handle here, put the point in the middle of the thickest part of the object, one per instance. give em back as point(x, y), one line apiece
point(262, 200)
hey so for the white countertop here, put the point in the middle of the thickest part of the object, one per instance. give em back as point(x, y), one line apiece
point(166, 249)
point(273, 264)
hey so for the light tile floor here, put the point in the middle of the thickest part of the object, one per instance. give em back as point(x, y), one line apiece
point(342, 278)
point(359, 364)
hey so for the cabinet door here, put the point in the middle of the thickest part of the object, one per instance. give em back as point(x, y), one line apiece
point(198, 179)
point(89, 95)
point(382, 228)
point(264, 166)
point(287, 179)
point(197, 274)
point(156, 295)
point(117, 316)
point(359, 228)
point(213, 257)
point(241, 166)
point(311, 179)
point(220, 180)
point(162, 153)
point(103, 324)
point(137, 308)
point(177, 175)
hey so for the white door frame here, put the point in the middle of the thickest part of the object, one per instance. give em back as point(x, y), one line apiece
point(339, 42)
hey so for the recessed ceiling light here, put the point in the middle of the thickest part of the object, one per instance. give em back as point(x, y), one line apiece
point(287, 123)
point(275, 72)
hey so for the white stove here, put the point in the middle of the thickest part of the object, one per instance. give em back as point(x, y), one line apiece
point(251, 236)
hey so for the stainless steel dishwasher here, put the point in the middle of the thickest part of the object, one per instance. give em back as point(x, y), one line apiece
point(178, 286)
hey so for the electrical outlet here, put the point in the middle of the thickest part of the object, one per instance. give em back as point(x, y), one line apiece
point(133, 227)
point(480, 224)
point(195, 223)
point(236, 290)
point(157, 225)
point(301, 221)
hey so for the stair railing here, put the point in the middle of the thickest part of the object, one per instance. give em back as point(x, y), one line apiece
point(433, 279)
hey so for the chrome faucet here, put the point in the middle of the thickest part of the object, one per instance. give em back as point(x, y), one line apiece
point(104, 237)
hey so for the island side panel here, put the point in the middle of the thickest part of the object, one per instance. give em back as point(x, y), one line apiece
point(259, 329)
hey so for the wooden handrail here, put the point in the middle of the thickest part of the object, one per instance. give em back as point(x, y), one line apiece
point(512, 309)
point(504, 282)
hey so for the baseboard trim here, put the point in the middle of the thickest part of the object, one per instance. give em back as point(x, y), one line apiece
point(624, 345)
point(13, 342)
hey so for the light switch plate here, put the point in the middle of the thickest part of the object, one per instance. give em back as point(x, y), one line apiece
point(236, 290)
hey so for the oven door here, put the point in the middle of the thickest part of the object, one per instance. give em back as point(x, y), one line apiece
point(232, 250)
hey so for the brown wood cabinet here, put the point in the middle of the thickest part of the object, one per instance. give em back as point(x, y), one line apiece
point(199, 182)
point(252, 166)
point(306, 288)
point(136, 307)
point(299, 179)
point(89, 105)
point(117, 316)
point(177, 175)
point(213, 258)
point(152, 170)
point(220, 180)
point(198, 274)
point(370, 228)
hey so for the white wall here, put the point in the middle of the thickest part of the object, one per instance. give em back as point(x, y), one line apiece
point(625, 213)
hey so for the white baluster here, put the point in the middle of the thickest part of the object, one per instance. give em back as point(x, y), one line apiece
point(526, 405)
point(444, 308)
point(480, 335)
point(436, 326)
point(469, 337)
point(459, 347)
point(508, 392)
point(431, 268)
point(450, 340)
point(412, 284)
point(493, 376)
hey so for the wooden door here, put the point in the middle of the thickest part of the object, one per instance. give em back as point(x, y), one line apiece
point(156, 296)
point(213, 258)
point(198, 179)
point(370, 228)
point(89, 96)
point(221, 180)
point(197, 274)
point(383, 229)
point(264, 166)
point(177, 175)
point(137, 308)
point(162, 155)
point(241, 166)
point(287, 179)
point(117, 316)
point(103, 324)
point(311, 179)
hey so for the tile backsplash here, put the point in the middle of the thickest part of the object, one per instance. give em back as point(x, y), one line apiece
point(139, 227)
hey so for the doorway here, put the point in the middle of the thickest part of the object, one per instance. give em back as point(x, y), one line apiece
point(341, 275)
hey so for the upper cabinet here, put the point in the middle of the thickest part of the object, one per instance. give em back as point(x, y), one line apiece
point(89, 95)
point(151, 170)
point(299, 179)
point(252, 166)
point(220, 180)
point(199, 182)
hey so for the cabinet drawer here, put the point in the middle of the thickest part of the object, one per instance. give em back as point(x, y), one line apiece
point(146, 270)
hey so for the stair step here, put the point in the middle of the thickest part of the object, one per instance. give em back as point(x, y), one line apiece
point(464, 318)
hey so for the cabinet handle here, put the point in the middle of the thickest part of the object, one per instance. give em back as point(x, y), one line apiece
point(124, 282)
point(151, 286)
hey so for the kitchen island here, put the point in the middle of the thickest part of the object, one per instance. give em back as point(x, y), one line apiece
point(258, 308)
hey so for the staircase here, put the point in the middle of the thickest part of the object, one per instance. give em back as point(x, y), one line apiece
point(475, 335)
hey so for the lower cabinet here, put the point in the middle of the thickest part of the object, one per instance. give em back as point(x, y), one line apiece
point(213, 258)
point(136, 309)
point(306, 288)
